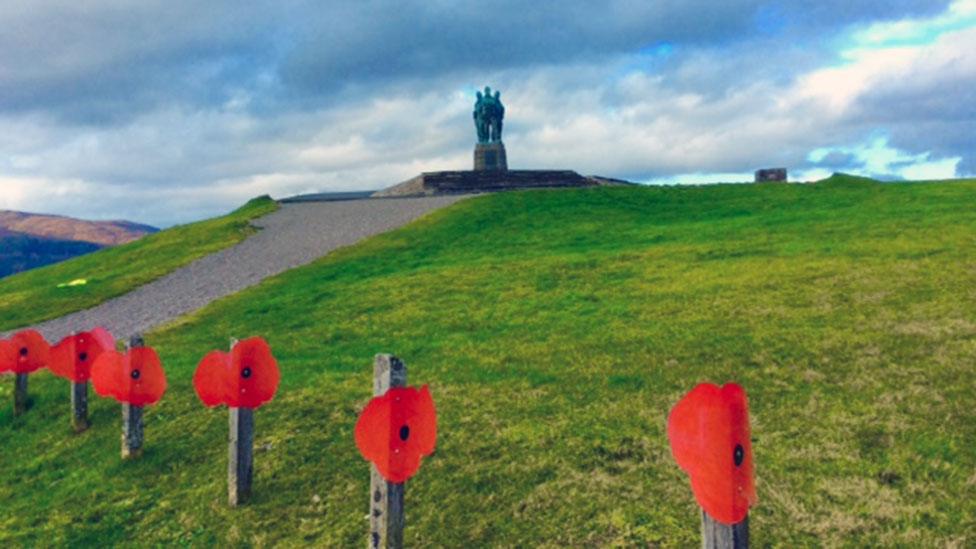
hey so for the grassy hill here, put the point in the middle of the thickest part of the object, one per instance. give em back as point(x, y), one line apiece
point(556, 329)
point(33, 296)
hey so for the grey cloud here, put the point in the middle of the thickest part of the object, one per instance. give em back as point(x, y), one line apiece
point(371, 41)
point(368, 42)
point(933, 107)
point(941, 121)
point(102, 63)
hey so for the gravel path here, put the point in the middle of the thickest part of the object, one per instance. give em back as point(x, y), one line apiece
point(295, 235)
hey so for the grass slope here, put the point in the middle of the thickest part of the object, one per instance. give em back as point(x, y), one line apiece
point(556, 330)
point(33, 296)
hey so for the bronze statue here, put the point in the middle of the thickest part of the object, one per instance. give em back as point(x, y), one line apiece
point(480, 123)
point(488, 115)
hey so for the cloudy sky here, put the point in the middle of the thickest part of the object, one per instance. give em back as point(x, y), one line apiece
point(170, 111)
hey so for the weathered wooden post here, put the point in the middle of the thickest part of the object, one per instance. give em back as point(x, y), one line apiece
point(72, 358)
point(244, 379)
point(240, 465)
point(25, 352)
point(386, 517)
point(79, 406)
point(20, 394)
point(132, 426)
point(240, 451)
point(79, 400)
point(716, 535)
point(709, 434)
point(135, 379)
point(396, 429)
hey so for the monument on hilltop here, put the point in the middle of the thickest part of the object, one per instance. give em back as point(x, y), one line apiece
point(490, 171)
point(489, 151)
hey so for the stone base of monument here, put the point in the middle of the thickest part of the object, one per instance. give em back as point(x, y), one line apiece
point(490, 156)
point(464, 182)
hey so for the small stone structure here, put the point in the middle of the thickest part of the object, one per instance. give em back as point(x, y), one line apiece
point(771, 174)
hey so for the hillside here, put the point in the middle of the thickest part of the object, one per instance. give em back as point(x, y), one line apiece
point(33, 296)
point(556, 329)
point(28, 241)
point(103, 233)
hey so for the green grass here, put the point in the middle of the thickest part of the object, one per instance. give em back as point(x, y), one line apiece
point(33, 296)
point(556, 330)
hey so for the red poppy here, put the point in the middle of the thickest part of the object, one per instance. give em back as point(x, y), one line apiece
point(136, 378)
point(8, 356)
point(25, 352)
point(396, 430)
point(74, 355)
point(247, 377)
point(709, 434)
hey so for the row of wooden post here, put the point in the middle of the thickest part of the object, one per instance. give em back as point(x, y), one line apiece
point(386, 498)
point(241, 439)
point(386, 517)
point(132, 425)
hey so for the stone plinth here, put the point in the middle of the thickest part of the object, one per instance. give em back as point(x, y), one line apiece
point(771, 174)
point(490, 156)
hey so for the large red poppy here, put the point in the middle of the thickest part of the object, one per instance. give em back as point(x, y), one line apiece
point(709, 434)
point(247, 377)
point(136, 378)
point(25, 352)
point(396, 430)
point(73, 356)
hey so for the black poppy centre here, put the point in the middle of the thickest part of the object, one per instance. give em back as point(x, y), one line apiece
point(404, 432)
point(738, 455)
point(246, 372)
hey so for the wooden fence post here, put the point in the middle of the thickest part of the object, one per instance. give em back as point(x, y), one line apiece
point(716, 535)
point(79, 403)
point(79, 406)
point(240, 453)
point(240, 466)
point(20, 394)
point(132, 426)
point(386, 517)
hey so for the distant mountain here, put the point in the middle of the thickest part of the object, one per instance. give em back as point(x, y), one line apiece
point(33, 240)
point(105, 233)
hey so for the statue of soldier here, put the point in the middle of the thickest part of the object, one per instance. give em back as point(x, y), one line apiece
point(496, 120)
point(488, 114)
point(480, 119)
